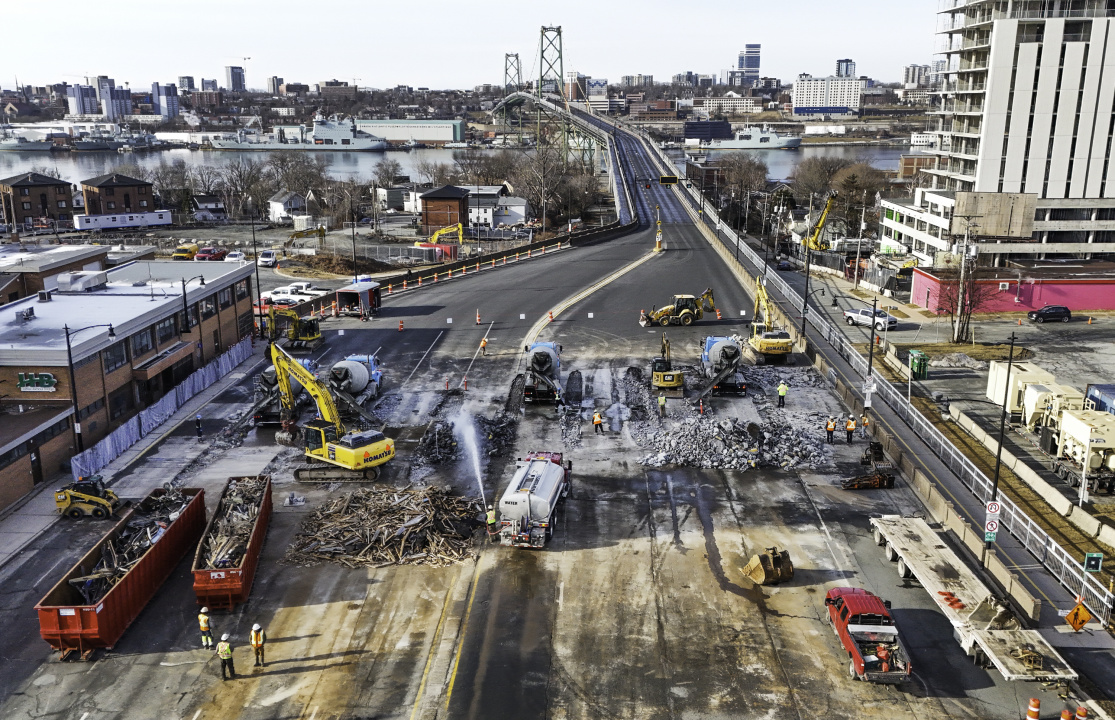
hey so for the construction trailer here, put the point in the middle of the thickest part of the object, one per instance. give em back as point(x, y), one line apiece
point(1022, 375)
point(1043, 404)
point(1086, 447)
point(360, 299)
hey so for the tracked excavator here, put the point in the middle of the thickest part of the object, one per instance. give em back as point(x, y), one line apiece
point(663, 377)
point(335, 452)
point(319, 231)
point(302, 333)
point(767, 343)
point(684, 310)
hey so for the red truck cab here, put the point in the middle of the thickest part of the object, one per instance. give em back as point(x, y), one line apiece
point(863, 623)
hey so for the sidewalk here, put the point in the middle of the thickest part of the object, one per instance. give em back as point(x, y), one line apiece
point(38, 512)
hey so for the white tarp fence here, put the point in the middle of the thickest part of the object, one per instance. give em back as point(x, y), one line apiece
point(131, 432)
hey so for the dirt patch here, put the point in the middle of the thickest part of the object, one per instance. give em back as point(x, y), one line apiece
point(976, 352)
point(331, 266)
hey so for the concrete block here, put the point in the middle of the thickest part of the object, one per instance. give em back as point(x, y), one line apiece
point(1084, 521)
point(999, 571)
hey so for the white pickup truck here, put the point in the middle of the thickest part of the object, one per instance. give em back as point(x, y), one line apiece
point(304, 287)
point(880, 320)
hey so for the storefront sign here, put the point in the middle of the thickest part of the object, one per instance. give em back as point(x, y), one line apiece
point(36, 382)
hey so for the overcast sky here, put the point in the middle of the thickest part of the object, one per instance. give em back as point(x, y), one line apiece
point(452, 44)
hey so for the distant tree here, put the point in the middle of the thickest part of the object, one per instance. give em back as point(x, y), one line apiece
point(207, 179)
point(47, 170)
point(386, 171)
point(434, 172)
point(245, 183)
point(133, 171)
point(960, 306)
point(813, 176)
point(298, 171)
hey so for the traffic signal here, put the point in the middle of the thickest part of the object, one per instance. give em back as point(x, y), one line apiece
point(648, 186)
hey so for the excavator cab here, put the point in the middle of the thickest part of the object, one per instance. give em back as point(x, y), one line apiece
point(663, 377)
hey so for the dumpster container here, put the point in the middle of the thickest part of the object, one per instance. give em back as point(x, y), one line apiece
point(223, 587)
point(68, 622)
point(919, 365)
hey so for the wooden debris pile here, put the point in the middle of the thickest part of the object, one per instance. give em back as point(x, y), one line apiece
point(147, 524)
point(236, 515)
point(377, 527)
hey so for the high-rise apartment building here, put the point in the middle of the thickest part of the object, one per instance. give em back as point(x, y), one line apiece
point(82, 100)
point(1024, 123)
point(234, 77)
point(116, 103)
point(846, 68)
point(636, 80)
point(827, 96)
point(916, 75)
point(164, 98)
point(273, 84)
point(749, 62)
point(186, 83)
point(209, 85)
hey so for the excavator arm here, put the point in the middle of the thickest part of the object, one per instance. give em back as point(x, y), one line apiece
point(457, 229)
point(707, 301)
point(285, 368)
point(666, 349)
point(815, 240)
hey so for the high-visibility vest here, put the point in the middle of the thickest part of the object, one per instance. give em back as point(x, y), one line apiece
point(203, 621)
point(782, 389)
point(491, 517)
point(661, 400)
point(256, 638)
point(863, 421)
point(830, 426)
point(850, 425)
point(596, 419)
point(224, 651)
point(484, 342)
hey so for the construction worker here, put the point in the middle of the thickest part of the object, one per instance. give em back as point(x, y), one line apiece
point(559, 402)
point(850, 427)
point(224, 652)
point(484, 346)
point(863, 423)
point(203, 621)
point(597, 422)
point(257, 638)
point(491, 522)
point(197, 424)
point(662, 404)
point(830, 428)
point(782, 388)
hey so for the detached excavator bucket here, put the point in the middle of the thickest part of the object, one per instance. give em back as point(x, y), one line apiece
point(644, 320)
point(770, 568)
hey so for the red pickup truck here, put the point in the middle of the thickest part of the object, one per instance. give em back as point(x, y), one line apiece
point(867, 631)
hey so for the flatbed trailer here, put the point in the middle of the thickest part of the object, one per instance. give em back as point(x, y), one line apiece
point(984, 627)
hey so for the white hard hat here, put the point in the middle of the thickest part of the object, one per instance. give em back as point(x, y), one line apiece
point(489, 507)
point(224, 637)
point(205, 609)
point(255, 627)
point(851, 417)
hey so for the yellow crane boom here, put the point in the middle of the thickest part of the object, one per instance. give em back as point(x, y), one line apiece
point(816, 239)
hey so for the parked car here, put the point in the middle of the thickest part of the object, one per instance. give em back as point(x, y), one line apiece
point(785, 265)
point(184, 252)
point(863, 623)
point(1050, 312)
point(210, 253)
point(881, 320)
point(268, 258)
point(304, 287)
point(236, 256)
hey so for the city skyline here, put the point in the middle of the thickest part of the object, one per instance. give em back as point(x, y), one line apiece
point(637, 44)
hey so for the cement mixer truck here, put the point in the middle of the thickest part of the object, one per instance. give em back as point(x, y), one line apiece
point(529, 505)
point(720, 360)
point(543, 376)
point(354, 381)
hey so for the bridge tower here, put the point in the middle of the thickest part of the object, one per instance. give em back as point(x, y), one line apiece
point(550, 63)
point(512, 73)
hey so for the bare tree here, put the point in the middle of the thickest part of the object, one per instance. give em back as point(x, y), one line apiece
point(48, 171)
point(977, 293)
point(207, 179)
point(434, 172)
point(386, 171)
point(813, 176)
point(245, 183)
point(298, 171)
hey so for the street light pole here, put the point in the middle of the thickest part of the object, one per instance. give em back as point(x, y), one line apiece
point(805, 295)
point(1002, 435)
point(186, 306)
point(259, 290)
point(73, 376)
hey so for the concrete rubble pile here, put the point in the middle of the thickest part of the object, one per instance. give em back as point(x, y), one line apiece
point(377, 527)
point(498, 433)
point(437, 445)
point(957, 360)
point(119, 555)
point(709, 442)
point(570, 422)
point(236, 517)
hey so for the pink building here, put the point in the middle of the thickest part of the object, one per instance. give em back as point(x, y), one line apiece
point(1079, 285)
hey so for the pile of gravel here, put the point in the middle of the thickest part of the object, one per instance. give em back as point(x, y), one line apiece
point(957, 360)
point(708, 442)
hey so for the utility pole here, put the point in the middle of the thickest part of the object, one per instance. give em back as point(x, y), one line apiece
point(859, 241)
point(963, 271)
point(1002, 433)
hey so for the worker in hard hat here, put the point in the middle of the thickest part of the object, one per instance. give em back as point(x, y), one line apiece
point(484, 346)
point(597, 422)
point(203, 622)
point(830, 428)
point(224, 652)
point(782, 389)
point(863, 423)
point(257, 638)
point(850, 427)
point(491, 522)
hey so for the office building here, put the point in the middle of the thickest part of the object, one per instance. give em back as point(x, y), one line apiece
point(1024, 125)
point(116, 103)
point(273, 84)
point(208, 85)
point(636, 80)
point(186, 83)
point(749, 63)
point(164, 100)
point(916, 75)
point(575, 85)
point(827, 96)
point(234, 78)
point(82, 100)
point(846, 68)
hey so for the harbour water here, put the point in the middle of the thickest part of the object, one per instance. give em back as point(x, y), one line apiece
point(78, 166)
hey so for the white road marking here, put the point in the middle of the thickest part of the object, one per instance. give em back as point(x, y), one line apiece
point(48, 572)
point(85, 715)
point(423, 357)
point(561, 593)
point(474, 355)
point(196, 715)
point(314, 713)
point(448, 321)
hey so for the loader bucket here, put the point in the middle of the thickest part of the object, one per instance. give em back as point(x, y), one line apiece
point(770, 567)
point(644, 320)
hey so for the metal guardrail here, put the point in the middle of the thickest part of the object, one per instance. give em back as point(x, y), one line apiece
point(1052, 556)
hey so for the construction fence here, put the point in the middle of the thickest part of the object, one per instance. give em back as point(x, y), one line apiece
point(134, 430)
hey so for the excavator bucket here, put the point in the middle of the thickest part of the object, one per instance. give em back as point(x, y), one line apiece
point(770, 567)
point(644, 320)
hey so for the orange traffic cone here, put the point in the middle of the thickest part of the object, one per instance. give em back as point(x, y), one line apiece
point(419, 281)
point(718, 313)
point(1034, 711)
point(404, 284)
point(1066, 715)
point(1081, 713)
point(390, 289)
point(400, 326)
point(551, 316)
point(1019, 321)
point(478, 316)
point(1089, 321)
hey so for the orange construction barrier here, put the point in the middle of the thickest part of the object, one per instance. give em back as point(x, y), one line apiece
point(477, 267)
point(466, 383)
point(702, 407)
point(419, 281)
point(435, 277)
point(1034, 711)
point(718, 314)
point(493, 263)
point(543, 250)
point(450, 274)
point(551, 316)
point(404, 285)
point(1067, 715)
point(528, 252)
point(504, 259)
point(1089, 321)
point(1081, 713)
point(1019, 321)
point(390, 288)
point(400, 326)
point(464, 269)
point(478, 316)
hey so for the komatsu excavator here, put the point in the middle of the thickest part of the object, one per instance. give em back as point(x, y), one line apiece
point(768, 344)
point(335, 452)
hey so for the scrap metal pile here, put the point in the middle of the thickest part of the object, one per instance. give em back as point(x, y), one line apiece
point(143, 529)
point(377, 527)
point(236, 517)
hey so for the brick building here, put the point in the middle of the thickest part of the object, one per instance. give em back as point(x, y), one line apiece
point(447, 205)
point(155, 344)
point(33, 199)
point(115, 193)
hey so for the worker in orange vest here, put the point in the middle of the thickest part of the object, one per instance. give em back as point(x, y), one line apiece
point(484, 346)
point(257, 638)
point(597, 422)
point(850, 427)
point(830, 428)
point(863, 423)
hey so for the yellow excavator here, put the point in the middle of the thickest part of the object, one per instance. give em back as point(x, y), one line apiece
point(663, 377)
point(319, 231)
point(458, 230)
point(302, 333)
point(87, 496)
point(335, 452)
point(684, 310)
point(816, 240)
point(768, 344)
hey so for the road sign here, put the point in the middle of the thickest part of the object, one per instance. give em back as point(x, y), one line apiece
point(989, 537)
point(668, 180)
point(993, 510)
point(1093, 562)
point(1078, 617)
point(991, 526)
